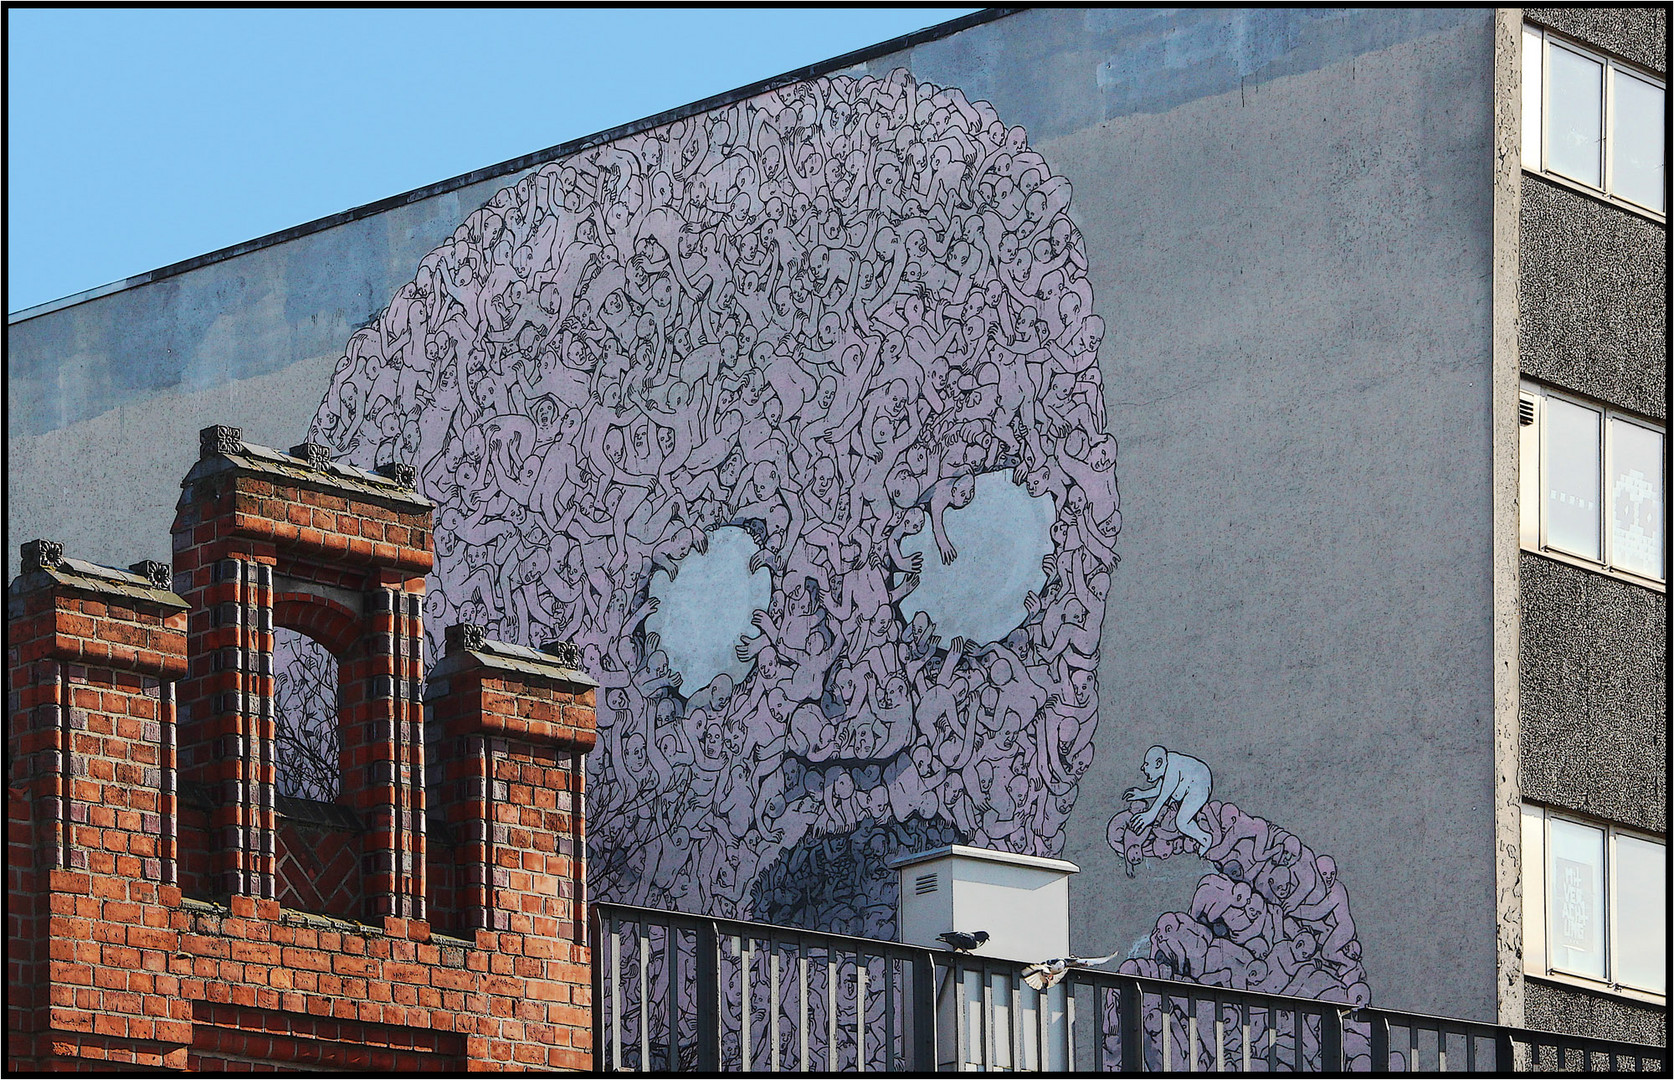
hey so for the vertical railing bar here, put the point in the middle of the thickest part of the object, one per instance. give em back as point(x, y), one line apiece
point(740, 947)
point(1272, 1038)
point(889, 1012)
point(671, 942)
point(831, 1008)
point(1069, 1027)
point(1191, 1035)
point(1014, 1023)
point(1505, 1056)
point(1130, 1008)
point(1167, 1032)
point(988, 1035)
point(644, 994)
point(1244, 1033)
point(1220, 1040)
point(1042, 1007)
point(961, 1016)
point(1470, 1052)
point(1098, 1026)
point(860, 972)
point(595, 940)
point(616, 995)
point(773, 1004)
point(802, 1006)
point(709, 1021)
point(1441, 1048)
point(924, 1017)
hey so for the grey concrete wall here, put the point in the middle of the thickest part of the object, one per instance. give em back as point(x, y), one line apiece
point(1593, 301)
point(104, 397)
point(1294, 262)
point(1574, 1011)
point(1288, 221)
point(1639, 34)
point(1306, 591)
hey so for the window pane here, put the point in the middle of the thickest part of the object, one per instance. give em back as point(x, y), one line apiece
point(1637, 151)
point(1571, 479)
point(1575, 104)
point(1532, 81)
point(1574, 898)
point(1636, 489)
point(1640, 937)
point(1534, 889)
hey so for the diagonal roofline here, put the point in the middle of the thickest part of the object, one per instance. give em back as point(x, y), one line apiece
point(526, 161)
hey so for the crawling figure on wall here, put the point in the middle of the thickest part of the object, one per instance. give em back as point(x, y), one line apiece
point(1272, 916)
point(1176, 779)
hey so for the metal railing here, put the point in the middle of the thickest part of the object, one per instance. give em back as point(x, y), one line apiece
point(679, 992)
point(676, 992)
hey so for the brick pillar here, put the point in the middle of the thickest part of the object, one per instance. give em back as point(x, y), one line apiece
point(92, 656)
point(383, 748)
point(264, 537)
point(513, 726)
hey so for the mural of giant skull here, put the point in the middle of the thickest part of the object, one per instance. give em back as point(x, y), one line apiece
point(822, 319)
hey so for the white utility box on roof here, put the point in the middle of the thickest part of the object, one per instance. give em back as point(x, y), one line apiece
point(1022, 901)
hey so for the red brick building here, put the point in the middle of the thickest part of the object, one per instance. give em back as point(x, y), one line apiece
point(168, 909)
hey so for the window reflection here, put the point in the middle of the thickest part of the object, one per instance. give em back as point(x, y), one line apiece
point(1636, 140)
point(1641, 915)
point(1572, 445)
point(1575, 111)
point(1593, 120)
point(1534, 89)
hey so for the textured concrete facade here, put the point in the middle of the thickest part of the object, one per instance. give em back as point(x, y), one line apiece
point(1595, 689)
point(1593, 300)
point(1639, 34)
point(1593, 666)
point(1554, 1007)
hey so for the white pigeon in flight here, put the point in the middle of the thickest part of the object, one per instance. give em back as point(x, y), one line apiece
point(1051, 972)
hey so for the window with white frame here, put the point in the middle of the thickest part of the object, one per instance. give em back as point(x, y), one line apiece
point(1591, 484)
point(1593, 121)
point(1595, 903)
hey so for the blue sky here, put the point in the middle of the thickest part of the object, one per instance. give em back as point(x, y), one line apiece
point(137, 138)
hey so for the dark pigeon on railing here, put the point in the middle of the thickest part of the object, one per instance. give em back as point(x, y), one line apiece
point(962, 942)
point(1051, 972)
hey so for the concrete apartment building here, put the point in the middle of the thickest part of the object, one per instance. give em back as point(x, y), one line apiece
point(1223, 450)
point(1592, 330)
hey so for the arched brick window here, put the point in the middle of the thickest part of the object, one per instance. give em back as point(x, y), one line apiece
point(308, 741)
point(294, 564)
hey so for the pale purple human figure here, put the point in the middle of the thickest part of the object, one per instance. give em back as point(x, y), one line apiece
point(1332, 910)
point(1175, 778)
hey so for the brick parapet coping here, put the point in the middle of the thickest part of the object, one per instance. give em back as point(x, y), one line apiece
point(115, 961)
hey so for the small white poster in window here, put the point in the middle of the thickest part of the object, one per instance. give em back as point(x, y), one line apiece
point(1575, 903)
